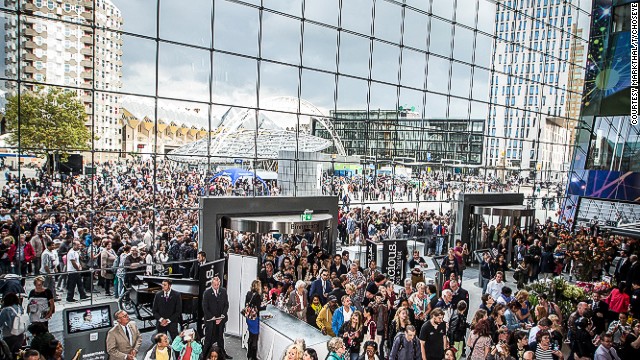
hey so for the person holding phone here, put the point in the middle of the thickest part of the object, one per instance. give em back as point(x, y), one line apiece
point(187, 345)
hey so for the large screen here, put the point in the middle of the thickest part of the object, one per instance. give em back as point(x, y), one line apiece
point(93, 318)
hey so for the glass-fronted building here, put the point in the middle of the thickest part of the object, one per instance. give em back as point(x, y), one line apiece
point(386, 135)
point(605, 174)
point(153, 76)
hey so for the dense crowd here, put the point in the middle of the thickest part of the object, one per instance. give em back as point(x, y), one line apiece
point(91, 234)
point(370, 318)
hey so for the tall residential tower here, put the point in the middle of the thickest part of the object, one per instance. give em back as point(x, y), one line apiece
point(532, 90)
point(59, 47)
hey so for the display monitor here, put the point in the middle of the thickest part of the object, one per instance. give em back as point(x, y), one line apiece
point(88, 319)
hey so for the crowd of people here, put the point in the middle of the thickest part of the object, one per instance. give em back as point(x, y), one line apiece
point(368, 317)
point(92, 234)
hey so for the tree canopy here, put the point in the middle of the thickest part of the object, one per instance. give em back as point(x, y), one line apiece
point(51, 121)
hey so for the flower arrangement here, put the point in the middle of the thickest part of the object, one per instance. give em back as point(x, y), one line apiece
point(591, 287)
point(560, 291)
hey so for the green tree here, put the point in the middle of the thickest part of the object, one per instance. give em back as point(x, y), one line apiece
point(51, 122)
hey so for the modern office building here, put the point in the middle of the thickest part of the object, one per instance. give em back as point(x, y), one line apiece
point(605, 175)
point(58, 46)
point(538, 60)
point(403, 135)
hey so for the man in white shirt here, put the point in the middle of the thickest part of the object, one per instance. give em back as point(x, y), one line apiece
point(606, 351)
point(74, 277)
point(494, 287)
point(543, 325)
point(48, 267)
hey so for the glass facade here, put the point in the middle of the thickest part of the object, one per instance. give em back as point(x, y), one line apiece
point(492, 87)
point(605, 165)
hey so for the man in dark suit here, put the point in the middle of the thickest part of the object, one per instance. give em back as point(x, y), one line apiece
point(622, 267)
point(215, 305)
point(321, 287)
point(194, 273)
point(167, 309)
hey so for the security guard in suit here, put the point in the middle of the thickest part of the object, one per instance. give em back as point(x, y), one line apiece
point(167, 309)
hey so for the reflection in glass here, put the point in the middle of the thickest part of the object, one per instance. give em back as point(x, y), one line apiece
point(196, 30)
point(280, 38)
point(320, 48)
point(226, 36)
point(183, 72)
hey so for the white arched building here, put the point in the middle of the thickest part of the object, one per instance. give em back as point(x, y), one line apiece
point(282, 124)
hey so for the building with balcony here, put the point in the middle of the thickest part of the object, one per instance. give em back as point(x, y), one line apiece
point(533, 83)
point(55, 44)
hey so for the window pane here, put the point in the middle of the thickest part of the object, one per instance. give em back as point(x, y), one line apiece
point(463, 45)
point(280, 38)
point(385, 62)
point(195, 31)
point(320, 47)
point(356, 16)
point(144, 13)
point(354, 55)
point(139, 76)
point(183, 72)
point(234, 80)
point(226, 34)
point(413, 69)
point(415, 29)
point(440, 37)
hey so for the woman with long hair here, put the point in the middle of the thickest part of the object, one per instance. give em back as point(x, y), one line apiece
point(293, 352)
point(352, 333)
point(252, 307)
point(479, 341)
point(398, 324)
point(497, 320)
point(479, 315)
point(313, 310)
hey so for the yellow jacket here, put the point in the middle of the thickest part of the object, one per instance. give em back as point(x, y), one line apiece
point(324, 320)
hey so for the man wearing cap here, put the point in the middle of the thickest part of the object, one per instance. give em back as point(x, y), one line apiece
point(325, 317)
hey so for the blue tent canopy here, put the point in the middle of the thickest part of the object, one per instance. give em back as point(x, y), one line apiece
point(236, 173)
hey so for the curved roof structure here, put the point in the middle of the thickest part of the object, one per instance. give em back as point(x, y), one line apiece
point(242, 144)
point(239, 130)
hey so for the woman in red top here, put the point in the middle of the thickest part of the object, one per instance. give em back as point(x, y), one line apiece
point(21, 255)
point(618, 301)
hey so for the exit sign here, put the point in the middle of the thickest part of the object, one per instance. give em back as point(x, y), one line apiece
point(307, 215)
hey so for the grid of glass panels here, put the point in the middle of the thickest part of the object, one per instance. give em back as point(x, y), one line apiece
point(491, 90)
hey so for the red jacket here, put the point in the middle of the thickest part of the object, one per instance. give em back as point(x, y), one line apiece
point(29, 253)
point(618, 301)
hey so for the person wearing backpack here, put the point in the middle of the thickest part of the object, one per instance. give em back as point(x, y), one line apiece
point(406, 345)
point(13, 322)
